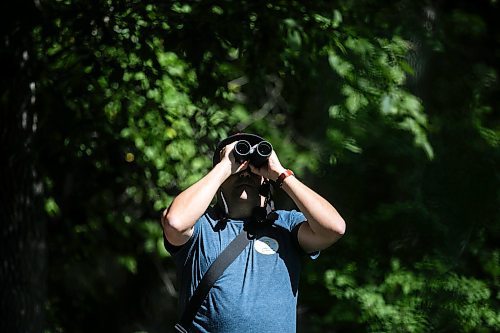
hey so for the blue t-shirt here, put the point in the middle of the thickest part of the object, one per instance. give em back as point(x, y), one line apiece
point(258, 291)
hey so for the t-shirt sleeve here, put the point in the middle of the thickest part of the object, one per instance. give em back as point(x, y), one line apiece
point(179, 252)
point(292, 220)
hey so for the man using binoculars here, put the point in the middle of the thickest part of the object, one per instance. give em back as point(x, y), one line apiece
point(257, 290)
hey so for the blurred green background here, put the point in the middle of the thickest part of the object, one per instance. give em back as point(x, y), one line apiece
point(388, 109)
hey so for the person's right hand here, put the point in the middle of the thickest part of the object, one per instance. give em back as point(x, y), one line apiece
point(227, 157)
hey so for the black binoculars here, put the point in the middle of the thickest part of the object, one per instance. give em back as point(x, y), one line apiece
point(257, 155)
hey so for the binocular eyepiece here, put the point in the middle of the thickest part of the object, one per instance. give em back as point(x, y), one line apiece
point(257, 155)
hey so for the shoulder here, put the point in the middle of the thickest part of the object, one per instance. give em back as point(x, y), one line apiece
point(289, 219)
point(205, 223)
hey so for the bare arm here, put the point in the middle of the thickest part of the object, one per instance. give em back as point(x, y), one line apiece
point(178, 219)
point(324, 225)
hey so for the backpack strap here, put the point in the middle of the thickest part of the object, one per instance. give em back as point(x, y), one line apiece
point(230, 253)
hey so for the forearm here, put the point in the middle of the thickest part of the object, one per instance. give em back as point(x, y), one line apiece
point(322, 217)
point(190, 204)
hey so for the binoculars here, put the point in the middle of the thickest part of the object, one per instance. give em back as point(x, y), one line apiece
point(257, 155)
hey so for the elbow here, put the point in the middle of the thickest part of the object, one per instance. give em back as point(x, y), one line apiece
point(342, 227)
point(339, 227)
point(170, 222)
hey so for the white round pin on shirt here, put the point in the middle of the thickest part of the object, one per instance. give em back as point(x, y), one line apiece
point(266, 245)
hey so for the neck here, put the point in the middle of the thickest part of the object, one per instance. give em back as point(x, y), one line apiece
point(240, 208)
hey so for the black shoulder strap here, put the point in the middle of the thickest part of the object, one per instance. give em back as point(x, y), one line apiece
point(214, 272)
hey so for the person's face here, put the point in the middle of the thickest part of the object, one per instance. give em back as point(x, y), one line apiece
point(243, 186)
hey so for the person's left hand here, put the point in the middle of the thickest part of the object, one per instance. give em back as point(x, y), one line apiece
point(270, 170)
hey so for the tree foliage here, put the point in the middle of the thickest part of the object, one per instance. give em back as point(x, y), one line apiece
point(386, 109)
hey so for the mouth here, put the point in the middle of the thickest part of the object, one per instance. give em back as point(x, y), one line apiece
point(244, 183)
point(247, 179)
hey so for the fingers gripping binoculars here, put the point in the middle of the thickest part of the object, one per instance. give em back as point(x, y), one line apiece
point(257, 155)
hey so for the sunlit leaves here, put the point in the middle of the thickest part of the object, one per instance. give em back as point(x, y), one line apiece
point(51, 207)
point(129, 262)
point(325, 22)
point(374, 73)
point(399, 302)
point(341, 66)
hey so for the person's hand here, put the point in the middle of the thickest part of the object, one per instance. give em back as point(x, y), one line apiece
point(270, 170)
point(227, 157)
